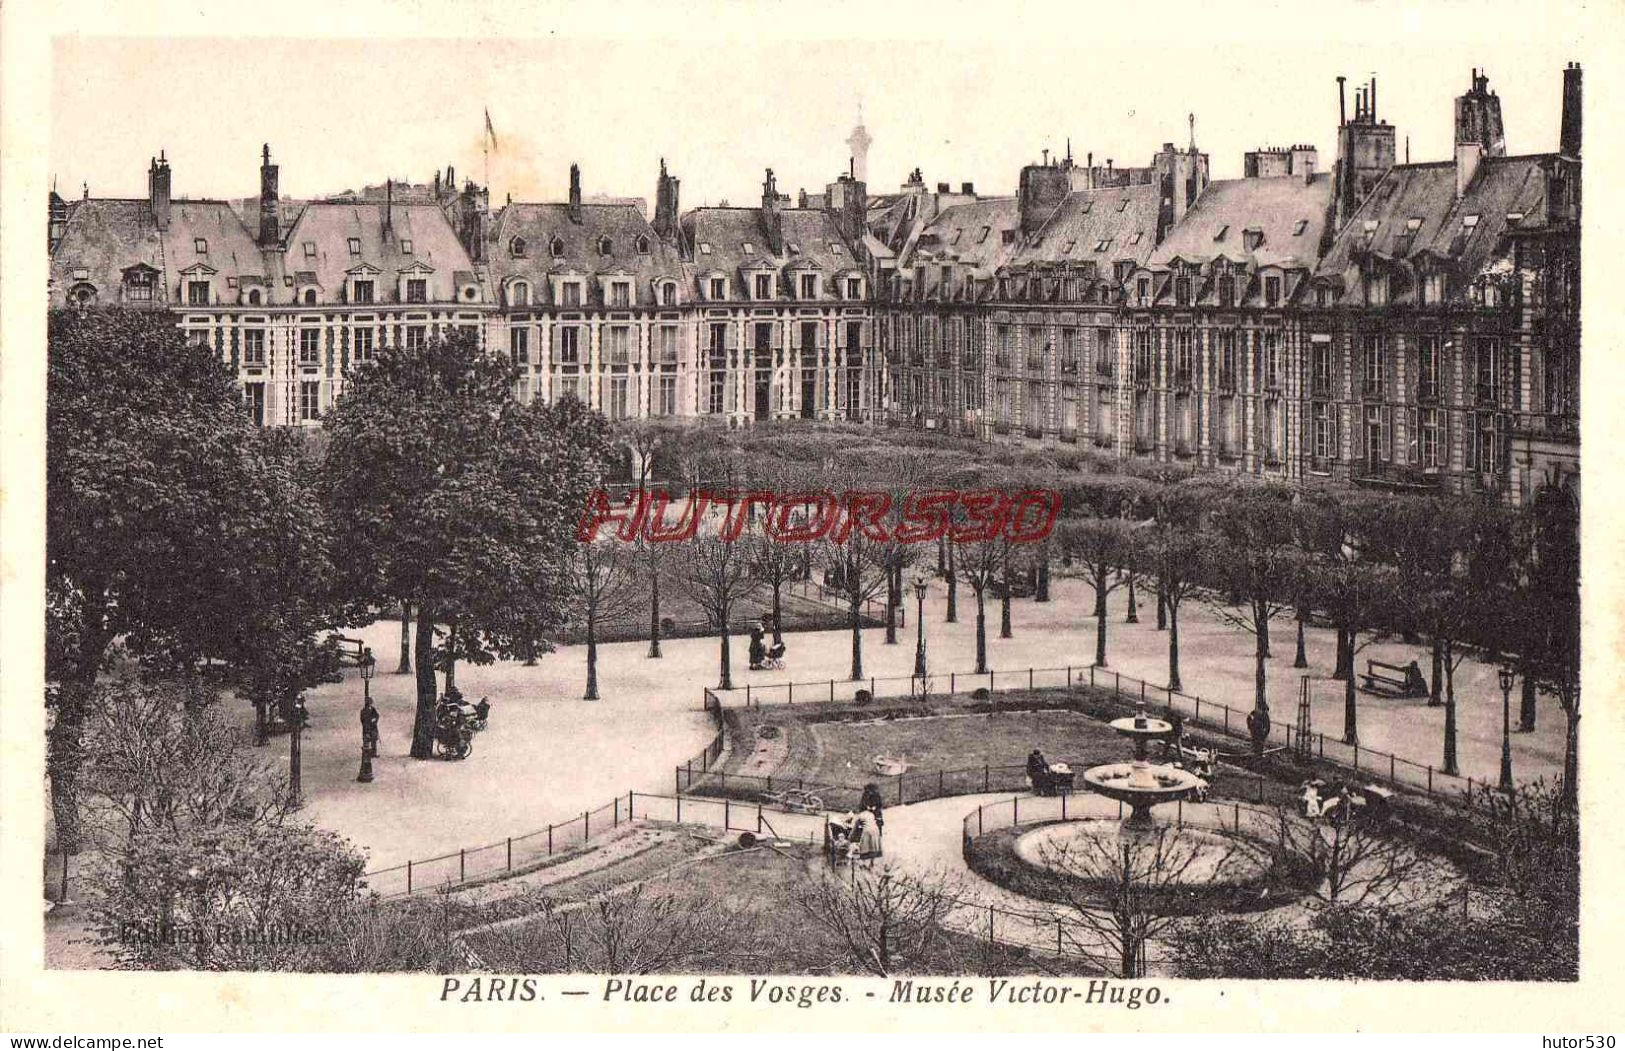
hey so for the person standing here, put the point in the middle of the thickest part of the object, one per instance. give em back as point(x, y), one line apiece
point(369, 728)
point(871, 802)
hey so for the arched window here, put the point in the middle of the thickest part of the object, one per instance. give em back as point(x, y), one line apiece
point(668, 294)
point(310, 297)
point(557, 247)
point(643, 245)
point(604, 246)
point(253, 297)
point(519, 294)
point(516, 248)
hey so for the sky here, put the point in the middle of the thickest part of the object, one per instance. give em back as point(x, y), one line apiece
point(723, 102)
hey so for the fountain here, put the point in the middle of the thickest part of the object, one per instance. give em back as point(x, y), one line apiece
point(1142, 728)
point(1141, 785)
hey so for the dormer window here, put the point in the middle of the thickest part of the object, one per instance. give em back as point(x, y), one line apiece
point(749, 248)
point(1134, 240)
point(1123, 206)
point(361, 291)
point(1299, 227)
point(556, 248)
point(1376, 289)
point(604, 246)
point(836, 249)
point(1272, 291)
point(516, 248)
point(417, 290)
point(809, 286)
point(355, 246)
point(854, 288)
point(406, 246)
point(795, 249)
point(310, 249)
point(620, 293)
point(1142, 290)
point(197, 293)
point(668, 293)
point(983, 235)
point(253, 297)
point(1007, 236)
point(1414, 223)
point(1433, 288)
point(519, 294)
point(201, 244)
point(310, 297)
point(1066, 249)
point(643, 245)
point(705, 247)
point(1182, 291)
point(1103, 244)
point(138, 286)
point(719, 289)
point(570, 293)
point(764, 286)
point(1468, 222)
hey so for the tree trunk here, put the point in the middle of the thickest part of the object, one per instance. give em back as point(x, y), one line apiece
point(1571, 760)
point(1261, 654)
point(942, 555)
point(1261, 619)
point(1041, 591)
point(1351, 725)
point(1438, 674)
point(1300, 659)
point(1162, 604)
point(727, 682)
point(405, 667)
point(592, 652)
point(1526, 707)
point(1450, 708)
point(1133, 605)
point(893, 599)
point(451, 655)
point(1345, 655)
point(1004, 604)
point(654, 613)
point(953, 589)
point(856, 613)
point(778, 611)
point(981, 633)
point(1100, 627)
point(65, 741)
point(1174, 682)
point(423, 719)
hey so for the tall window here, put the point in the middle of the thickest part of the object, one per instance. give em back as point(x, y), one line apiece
point(1372, 355)
point(1427, 374)
point(1184, 357)
point(764, 286)
point(197, 293)
point(310, 399)
point(1321, 369)
point(668, 294)
point(1433, 288)
point(519, 345)
point(253, 346)
point(854, 288)
point(1035, 349)
point(1182, 291)
point(809, 286)
point(1272, 291)
point(310, 346)
point(620, 293)
point(1144, 356)
point(666, 345)
point(665, 399)
point(615, 402)
point(719, 288)
point(1272, 359)
point(570, 345)
point(620, 340)
point(1226, 289)
point(417, 290)
point(254, 402)
point(1430, 438)
point(363, 344)
point(715, 386)
point(1227, 358)
point(1070, 354)
point(571, 291)
point(1487, 351)
point(1324, 431)
point(363, 291)
point(416, 337)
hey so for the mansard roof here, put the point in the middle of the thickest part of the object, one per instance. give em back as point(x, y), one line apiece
point(328, 228)
point(1414, 219)
point(1284, 215)
point(809, 237)
point(969, 235)
point(540, 225)
point(1101, 226)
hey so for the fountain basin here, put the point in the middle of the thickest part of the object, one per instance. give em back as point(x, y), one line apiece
point(1141, 786)
point(1141, 728)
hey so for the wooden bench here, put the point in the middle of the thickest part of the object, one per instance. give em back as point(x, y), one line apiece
point(352, 652)
point(1394, 680)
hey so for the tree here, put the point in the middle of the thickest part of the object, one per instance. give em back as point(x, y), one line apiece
point(448, 494)
point(1177, 551)
point(603, 573)
point(981, 562)
point(858, 561)
point(1354, 863)
point(1124, 889)
point(716, 575)
point(1544, 616)
point(1355, 594)
point(1102, 549)
point(880, 920)
point(634, 931)
point(1258, 563)
point(168, 515)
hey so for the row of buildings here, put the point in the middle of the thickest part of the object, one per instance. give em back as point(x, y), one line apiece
point(1364, 320)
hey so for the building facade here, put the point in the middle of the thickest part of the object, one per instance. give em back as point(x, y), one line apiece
point(1369, 321)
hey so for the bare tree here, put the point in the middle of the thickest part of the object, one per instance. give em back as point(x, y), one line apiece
point(1102, 549)
point(1123, 890)
point(716, 574)
point(1355, 863)
point(603, 572)
point(981, 562)
point(636, 931)
point(880, 920)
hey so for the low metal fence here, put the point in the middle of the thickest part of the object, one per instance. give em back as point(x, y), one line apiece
point(1231, 816)
point(1369, 763)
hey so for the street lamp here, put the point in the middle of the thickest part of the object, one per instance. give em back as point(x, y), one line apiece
point(1507, 677)
point(369, 717)
point(300, 717)
point(919, 617)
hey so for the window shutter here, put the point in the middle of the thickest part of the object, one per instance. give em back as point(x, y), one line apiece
point(1388, 433)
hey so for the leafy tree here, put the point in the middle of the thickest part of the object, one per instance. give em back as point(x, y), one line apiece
point(1354, 594)
point(448, 494)
point(981, 562)
point(173, 524)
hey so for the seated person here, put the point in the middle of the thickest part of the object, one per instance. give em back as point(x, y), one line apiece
point(1037, 767)
point(482, 711)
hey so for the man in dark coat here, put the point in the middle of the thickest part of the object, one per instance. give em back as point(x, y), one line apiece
point(369, 729)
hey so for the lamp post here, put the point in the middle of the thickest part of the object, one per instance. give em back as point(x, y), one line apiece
point(919, 617)
point(1507, 677)
point(296, 731)
point(369, 717)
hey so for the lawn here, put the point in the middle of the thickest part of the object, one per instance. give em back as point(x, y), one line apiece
point(760, 928)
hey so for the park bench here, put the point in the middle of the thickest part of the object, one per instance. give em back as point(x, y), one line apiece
point(352, 652)
point(1394, 680)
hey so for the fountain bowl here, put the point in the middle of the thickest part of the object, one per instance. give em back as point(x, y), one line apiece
point(1141, 785)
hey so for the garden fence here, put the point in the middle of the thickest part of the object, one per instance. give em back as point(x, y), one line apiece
point(1368, 763)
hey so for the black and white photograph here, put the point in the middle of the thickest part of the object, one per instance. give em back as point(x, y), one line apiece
point(803, 514)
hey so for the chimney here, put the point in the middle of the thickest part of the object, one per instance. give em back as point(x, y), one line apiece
point(270, 225)
point(437, 186)
point(968, 189)
point(1569, 141)
point(665, 224)
point(158, 196)
point(943, 187)
point(1371, 103)
point(1305, 159)
point(1342, 113)
point(389, 207)
point(575, 193)
point(772, 228)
